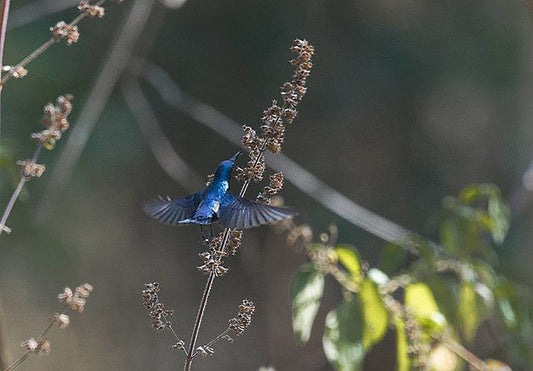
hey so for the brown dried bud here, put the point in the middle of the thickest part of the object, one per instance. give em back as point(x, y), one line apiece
point(235, 240)
point(29, 169)
point(17, 72)
point(63, 30)
point(40, 348)
point(66, 296)
point(91, 10)
point(63, 320)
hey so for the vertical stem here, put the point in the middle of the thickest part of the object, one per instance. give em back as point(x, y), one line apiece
point(198, 322)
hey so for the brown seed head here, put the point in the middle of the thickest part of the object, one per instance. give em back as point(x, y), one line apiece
point(91, 10)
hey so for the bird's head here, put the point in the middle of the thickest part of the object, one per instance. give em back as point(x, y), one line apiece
point(223, 171)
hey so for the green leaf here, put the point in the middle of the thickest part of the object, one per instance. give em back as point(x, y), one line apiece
point(392, 258)
point(420, 299)
point(343, 338)
point(474, 192)
point(468, 311)
point(403, 362)
point(307, 287)
point(349, 258)
point(375, 316)
point(500, 216)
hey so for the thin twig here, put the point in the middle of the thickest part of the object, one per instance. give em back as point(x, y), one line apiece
point(220, 336)
point(45, 46)
point(462, 352)
point(115, 63)
point(28, 354)
point(4, 356)
point(16, 193)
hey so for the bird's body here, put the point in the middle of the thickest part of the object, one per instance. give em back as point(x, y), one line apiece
point(216, 203)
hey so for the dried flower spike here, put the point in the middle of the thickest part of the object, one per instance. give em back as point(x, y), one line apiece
point(213, 263)
point(272, 189)
point(156, 310)
point(76, 300)
point(276, 117)
point(244, 317)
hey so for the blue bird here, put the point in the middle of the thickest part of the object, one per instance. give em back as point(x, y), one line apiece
point(216, 203)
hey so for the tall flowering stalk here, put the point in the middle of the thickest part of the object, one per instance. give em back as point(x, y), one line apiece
point(73, 301)
point(275, 120)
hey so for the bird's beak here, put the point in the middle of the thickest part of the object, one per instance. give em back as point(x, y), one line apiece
point(235, 156)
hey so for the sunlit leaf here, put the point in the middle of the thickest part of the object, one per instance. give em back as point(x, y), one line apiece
point(420, 299)
point(349, 258)
point(343, 338)
point(468, 311)
point(403, 362)
point(494, 365)
point(307, 287)
point(375, 316)
point(441, 358)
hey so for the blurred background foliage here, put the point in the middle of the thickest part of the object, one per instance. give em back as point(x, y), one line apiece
point(409, 101)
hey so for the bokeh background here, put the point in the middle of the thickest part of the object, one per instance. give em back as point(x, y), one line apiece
point(408, 102)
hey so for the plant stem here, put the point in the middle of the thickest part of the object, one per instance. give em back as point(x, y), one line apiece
point(464, 353)
point(212, 276)
point(198, 322)
point(41, 49)
point(10, 205)
point(28, 354)
point(16, 193)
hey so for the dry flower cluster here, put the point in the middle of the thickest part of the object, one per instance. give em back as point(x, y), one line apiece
point(156, 310)
point(276, 118)
point(72, 300)
point(243, 319)
point(56, 122)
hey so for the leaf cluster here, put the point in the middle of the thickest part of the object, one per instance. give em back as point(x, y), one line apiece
point(435, 304)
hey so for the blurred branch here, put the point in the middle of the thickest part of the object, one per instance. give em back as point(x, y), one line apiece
point(108, 77)
point(4, 362)
point(336, 202)
point(4, 15)
point(36, 10)
point(161, 147)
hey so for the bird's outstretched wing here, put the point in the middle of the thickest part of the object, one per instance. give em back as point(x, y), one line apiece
point(170, 211)
point(240, 213)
